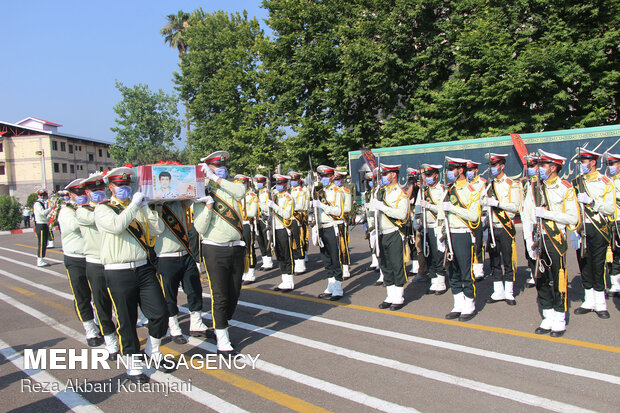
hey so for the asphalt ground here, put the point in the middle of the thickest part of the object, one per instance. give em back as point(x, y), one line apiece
point(313, 355)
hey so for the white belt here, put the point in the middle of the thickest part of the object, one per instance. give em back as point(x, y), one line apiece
point(93, 260)
point(176, 254)
point(331, 224)
point(225, 244)
point(460, 230)
point(125, 265)
point(246, 222)
point(431, 225)
point(74, 255)
point(389, 231)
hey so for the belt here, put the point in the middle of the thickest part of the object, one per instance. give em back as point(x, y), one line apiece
point(93, 260)
point(181, 253)
point(389, 231)
point(74, 255)
point(460, 230)
point(246, 222)
point(125, 265)
point(431, 225)
point(225, 244)
point(331, 224)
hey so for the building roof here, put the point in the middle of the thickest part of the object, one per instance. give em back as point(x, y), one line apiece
point(8, 130)
point(47, 122)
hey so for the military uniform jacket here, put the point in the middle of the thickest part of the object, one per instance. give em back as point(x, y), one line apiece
point(167, 242)
point(457, 216)
point(117, 244)
point(263, 198)
point(437, 193)
point(72, 241)
point(369, 198)
point(508, 194)
point(396, 207)
point(333, 210)
point(211, 226)
point(284, 209)
point(601, 189)
point(90, 234)
point(249, 206)
point(40, 212)
point(301, 197)
point(348, 199)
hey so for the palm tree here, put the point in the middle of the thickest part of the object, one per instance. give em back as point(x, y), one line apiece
point(173, 36)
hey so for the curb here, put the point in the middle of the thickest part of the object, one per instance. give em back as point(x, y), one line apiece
point(17, 231)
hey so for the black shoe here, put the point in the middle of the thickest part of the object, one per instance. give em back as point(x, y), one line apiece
point(139, 379)
point(325, 295)
point(210, 334)
point(335, 297)
point(452, 315)
point(113, 356)
point(378, 283)
point(384, 305)
point(467, 317)
point(396, 307)
point(283, 290)
point(181, 339)
point(581, 310)
point(511, 302)
point(541, 330)
point(491, 300)
point(441, 292)
point(95, 341)
point(557, 333)
point(248, 282)
point(429, 292)
point(602, 314)
point(228, 353)
point(266, 269)
point(613, 294)
point(528, 285)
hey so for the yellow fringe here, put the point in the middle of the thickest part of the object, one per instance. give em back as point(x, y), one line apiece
point(610, 255)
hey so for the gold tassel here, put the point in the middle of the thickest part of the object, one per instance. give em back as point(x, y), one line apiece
point(609, 257)
point(562, 281)
point(246, 263)
point(406, 253)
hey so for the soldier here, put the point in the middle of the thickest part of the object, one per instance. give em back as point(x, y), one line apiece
point(461, 209)
point(330, 201)
point(283, 206)
point(613, 171)
point(299, 226)
point(249, 214)
point(412, 188)
point(264, 244)
point(595, 192)
point(369, 210)
point(503, 201)
point(531, 172)
point(75, 262)
point(552, 205)
point(428, 203)
point(41, 212)
point(218, 221)
point(479, 183)
point(94, 189)
point(127, 226)
point(393, 206)
point(343, 229)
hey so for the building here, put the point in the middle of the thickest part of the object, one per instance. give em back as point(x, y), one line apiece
point(34, 154)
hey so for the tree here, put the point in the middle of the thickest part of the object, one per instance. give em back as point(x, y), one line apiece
point(148, 124)
point(10, 213)
point(31, 200)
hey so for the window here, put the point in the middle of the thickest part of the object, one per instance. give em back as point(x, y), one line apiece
point(79, 148)
point(72, 169)
point(64, 167)
point(107, 152)
point(55, 145)
point(101, 169)
point(58, 187)
point(81, 167)
point(2, 170)
point(56, 167)
point(70, 148)
point(63, 147)
point(91, 157)
point(100, 153)
point(1, 148)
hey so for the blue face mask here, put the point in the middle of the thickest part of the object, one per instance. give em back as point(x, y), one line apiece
point(370, 184)
point(471, 175)
point(97, 196)
point(122, 192)
point(384, 181)
point(65, 198)
point(81, 200)
point(495, 170)
point(585, 169)
point(544, 174)
point(325, 181)
point(429, 180)
point(451, 176)
point(531, 172)
point(338, 183)
point(294, 183)
point(221, 172)
point(612, 170)
point(279, 187)
point(260, 185)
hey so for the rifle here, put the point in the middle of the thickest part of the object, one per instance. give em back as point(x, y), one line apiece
point(425, 246)
point(582, 207)
point(377, 191)
point(538, 242)
point(449, 254)
point(489, 208)
point(271, 224)
point(614, 242)
point(317, 222)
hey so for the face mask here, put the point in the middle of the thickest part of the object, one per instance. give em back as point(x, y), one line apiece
point(612, 170)
point(325, 181)
point(495, 170)
point(585, 169)
point(338, 183)
point(81, 200)
point(97, 196)
point(531, 172)
point(260, 185)
point(370, 184)
point(471, 175)
point(65, 198)
point(221, 172)
point(544, 174)
point(279, 187)
point(384, 181)
point(429, 180)
point(294, 183)
point(122, 192)
point(451, 176)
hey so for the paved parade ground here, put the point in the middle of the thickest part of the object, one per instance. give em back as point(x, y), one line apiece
point(312, 355)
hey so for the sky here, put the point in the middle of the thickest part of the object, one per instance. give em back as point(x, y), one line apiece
point(60, 59)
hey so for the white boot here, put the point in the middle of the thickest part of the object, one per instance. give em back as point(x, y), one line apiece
point(600, 305)
point(249, 277)
point(287, 283)
point(374, 264)
point(267, 263)
point(468, 311)
point(558, 326)
point(531, 282)
point(479, 271)
point(458, 306)
point(111, 344)
point(438, 284)
point(615, 284)
point(337, 293)
point(398, 298)
point(415, 266)
point(508, 292)
point(330, 286)
point(244, 276)
point(223, 341)
point(142, 320)
point(50, 244)
point(300, 266)
point(498, 292)
point(588, 302)
point(91, 329)
point(196, 327)
point(345, 272)
point(152, 350)
point(547, 321)
point(173, 325)
point(380, 279)
point(41, 263)
point(389, 291)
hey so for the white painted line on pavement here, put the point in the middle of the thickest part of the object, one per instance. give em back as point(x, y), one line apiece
point(39, 286)
point(196, 394)
point(31, 255)
point(34, 267)
point(68, 397)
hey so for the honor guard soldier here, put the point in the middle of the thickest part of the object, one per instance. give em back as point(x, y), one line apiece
point(596, 195)
point(218, 221)
point(283, 206)
point(329, 200)
point(459, 216)
point(370, 223)
point(393, 206)
point(176, 266)
point(552, 206)
point(411, 189)
point(248, 207)
point(94, 189)
point(479, 183)
point(428, 203)
point(299, 227)
point(264, 244)
point(343, 229)
point(613, 171)
point(41, 212)
point(75, 262)
point(502, 201)
point(528, 182)
point(126, 226)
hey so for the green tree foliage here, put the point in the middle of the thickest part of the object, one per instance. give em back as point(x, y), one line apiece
point(10, 213)
point(31, 199)
point(148, 124)
point(221, 81)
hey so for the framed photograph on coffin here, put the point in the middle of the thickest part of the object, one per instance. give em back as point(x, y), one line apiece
point(171, 182)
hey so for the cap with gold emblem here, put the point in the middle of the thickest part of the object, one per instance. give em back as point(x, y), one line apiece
point(121, 175)
point(294, 175)
point(75, 185)
point(495, 157)
point(216, 158)
point(586, 154)
point(430, 167)
point(242, 178)
point(281, 179)
point(95, 180)
point(260, 178)
point(456, 162)
point(325, 170)
point(551, 157)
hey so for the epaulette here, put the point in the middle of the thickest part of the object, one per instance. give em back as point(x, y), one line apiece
point(509, 181)
point(605, 179)
point(567, 184)
point(346, 190)
point(483, 179)
point(471, 187)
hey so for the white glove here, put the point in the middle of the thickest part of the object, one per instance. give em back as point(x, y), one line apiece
point(367, 206)
point(271, 204)
point(584, 198)
point(540, 212)
point(379, 205)
point(424, 204)
point(205, 199)
point(485, 236)
point(491, 202)
point(209, 174)
point(529, 245)
point(137, 198)
point(315, 235)
point(317, 204)
point(447, 206)
point(373, 238)
point(417, 223)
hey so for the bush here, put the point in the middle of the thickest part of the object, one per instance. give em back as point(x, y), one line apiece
point(10, 213)
point(31, 199)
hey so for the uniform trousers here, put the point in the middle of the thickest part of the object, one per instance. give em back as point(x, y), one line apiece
point(549, 297)
point(101, 297)
point(391, 259)
point(330, 253)
point(263, 240)
point(284, 251)
point(175, 271)
point(42, 232)
point(76, 272)
point(298, 239)
point(479, 245)
point(460, 271)
point(343, 234)
point(249, 236)
point(614, 268)
point(502, 253)
point(592, 266)
point(434, 261)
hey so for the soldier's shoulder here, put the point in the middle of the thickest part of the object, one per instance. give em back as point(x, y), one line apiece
point(605, 179)
point(482, 179)
point(509, 181)
point(471, 188)
point(567, 183)
point(346, 190)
